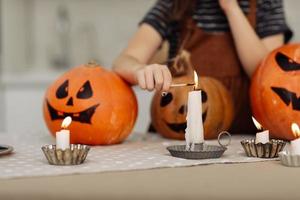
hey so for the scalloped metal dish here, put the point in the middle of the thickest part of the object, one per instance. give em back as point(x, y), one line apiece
point(202, 151)
point(268, 150)
point(5, 149)
point(76, 155)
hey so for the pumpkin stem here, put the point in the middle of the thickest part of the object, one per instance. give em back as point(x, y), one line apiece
point(92, 63)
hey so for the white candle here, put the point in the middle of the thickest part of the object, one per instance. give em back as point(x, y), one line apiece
point(63, 136)
point(194, 130)
point(63, 139)
point(263, 136)
point(295, 144)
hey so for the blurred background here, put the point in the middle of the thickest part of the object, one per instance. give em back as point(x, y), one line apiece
point(40, 39)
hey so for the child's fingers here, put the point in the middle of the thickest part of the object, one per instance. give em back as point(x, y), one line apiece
point(158, 79)
point(167, 79)
point(149, 79)
point(141, 79)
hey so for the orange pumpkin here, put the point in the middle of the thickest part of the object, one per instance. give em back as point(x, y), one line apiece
point(275, 91)
point(103, 107)
point(168, 113)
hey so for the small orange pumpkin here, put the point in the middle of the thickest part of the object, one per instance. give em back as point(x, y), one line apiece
point(103, 107)
point(168, 113)
point(275, 91)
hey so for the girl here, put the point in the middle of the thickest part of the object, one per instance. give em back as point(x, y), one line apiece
point(226, 39)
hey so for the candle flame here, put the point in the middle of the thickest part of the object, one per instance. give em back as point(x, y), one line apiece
point(66, 122)
point(257, 124)
point(295, 129)
point(195, 80)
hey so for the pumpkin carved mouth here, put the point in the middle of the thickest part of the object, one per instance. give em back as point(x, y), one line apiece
point(84, 116)
point(180, 127)
point(177, 127)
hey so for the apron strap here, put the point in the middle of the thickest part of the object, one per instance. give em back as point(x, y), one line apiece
point(188, 33)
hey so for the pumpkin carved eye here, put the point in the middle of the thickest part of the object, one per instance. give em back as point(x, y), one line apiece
point(288, 97)
point(165, 100)
point(85, 91)
point(63, 90)
point(286, 63)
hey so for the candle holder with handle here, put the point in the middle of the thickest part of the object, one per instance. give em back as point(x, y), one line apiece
point(201, 151)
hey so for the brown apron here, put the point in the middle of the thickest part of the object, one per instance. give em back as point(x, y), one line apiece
point(214, 55)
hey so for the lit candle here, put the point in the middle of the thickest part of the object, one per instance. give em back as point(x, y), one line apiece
point(194, 130)
point(295, 144)
point(63, 136)
point(263, 136)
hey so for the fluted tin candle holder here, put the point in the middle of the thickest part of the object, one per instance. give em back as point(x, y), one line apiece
point(289, 160)
point(5, 149)
point(260, 150)
point(74, 156)
point(201, 151)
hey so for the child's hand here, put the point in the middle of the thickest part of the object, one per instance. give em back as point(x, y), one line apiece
point(227, 5)
point(154, 76)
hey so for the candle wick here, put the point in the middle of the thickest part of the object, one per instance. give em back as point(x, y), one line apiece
point(195, 87)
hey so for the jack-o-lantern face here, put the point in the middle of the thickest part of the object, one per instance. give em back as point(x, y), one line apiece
point(62, 93)
point(288, 97)
point(102, 106)
point(275, 91)
point(168, 112)
point(180, 126)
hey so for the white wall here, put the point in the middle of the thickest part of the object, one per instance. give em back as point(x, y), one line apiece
point(16, 26)
point(292, 8)
point(99, 29)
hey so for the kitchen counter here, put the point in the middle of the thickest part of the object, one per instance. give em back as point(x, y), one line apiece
point(263, 180)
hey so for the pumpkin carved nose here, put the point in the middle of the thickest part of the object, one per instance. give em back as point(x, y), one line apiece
point(70, 102)
point(183, 109)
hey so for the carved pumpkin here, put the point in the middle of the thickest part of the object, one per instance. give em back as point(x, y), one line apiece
point(103, 107)
point(168, 112)
point(275, 91)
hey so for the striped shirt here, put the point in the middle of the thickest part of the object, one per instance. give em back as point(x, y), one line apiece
point(209, 16)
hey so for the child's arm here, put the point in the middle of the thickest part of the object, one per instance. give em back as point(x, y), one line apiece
point(251, 49)
point(132, 62)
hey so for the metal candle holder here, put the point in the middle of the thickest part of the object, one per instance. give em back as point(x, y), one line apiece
point(289, 160)
point(75, 155)
point(260, 150)
point(201, 151)
point(5, 149)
